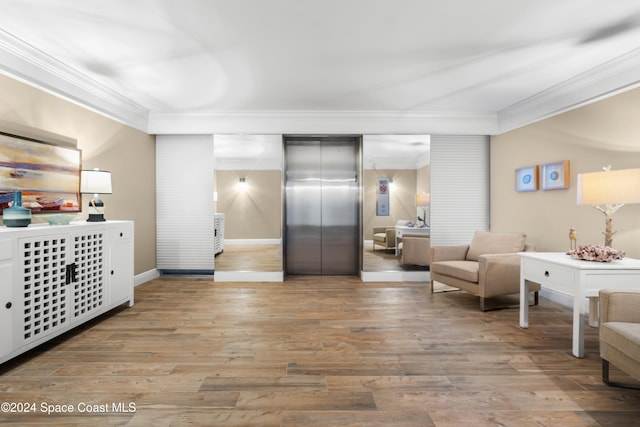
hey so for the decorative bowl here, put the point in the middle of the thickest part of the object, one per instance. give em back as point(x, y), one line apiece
point(58, 219)
point(596, 253)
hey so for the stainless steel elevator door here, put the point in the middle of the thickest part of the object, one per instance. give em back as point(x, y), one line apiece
point(321, 203)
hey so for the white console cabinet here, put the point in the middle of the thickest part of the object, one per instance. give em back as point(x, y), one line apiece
point(54, 278)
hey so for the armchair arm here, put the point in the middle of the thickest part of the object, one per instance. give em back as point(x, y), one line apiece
point(391, 235)
point(448, 253)
point(499, 274)
point(379, 229)
point(619, 305)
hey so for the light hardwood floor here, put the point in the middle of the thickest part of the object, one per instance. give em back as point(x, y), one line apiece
point(317, 351)
point(252, 257)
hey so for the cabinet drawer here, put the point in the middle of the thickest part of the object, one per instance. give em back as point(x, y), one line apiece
point(121, 232)
point(549, 275)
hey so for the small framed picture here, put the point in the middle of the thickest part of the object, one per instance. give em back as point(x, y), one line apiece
point(555, 176)
point(527, 178)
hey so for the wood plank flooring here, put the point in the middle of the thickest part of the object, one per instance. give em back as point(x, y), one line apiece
point(250, 257)
point(316, 351)
point(268, 257)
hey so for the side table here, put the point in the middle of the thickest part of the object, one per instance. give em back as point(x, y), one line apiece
point(579, 279)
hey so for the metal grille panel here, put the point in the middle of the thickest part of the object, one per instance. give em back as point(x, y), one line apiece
point(44, 291)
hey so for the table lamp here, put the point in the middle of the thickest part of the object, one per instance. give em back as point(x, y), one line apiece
point(422, 201)
point(97, 182)
point(608, 191)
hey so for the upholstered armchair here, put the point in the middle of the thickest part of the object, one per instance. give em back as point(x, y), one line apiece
point(416, 250)
point(620, 333)
point(385, 237)
point(488, 267)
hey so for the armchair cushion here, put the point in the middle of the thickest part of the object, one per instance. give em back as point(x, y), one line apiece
point(623, 336)
point(485, 242)
point(463, 270)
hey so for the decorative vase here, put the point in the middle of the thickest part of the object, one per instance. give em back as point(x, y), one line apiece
point(16, 215)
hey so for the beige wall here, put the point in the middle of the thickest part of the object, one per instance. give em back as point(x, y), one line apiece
point(423, 180)
point(255, 213)
point(603, 133)
point(129, 154)
point(402, 201)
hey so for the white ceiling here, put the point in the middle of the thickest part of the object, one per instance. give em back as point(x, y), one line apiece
point(510, 61)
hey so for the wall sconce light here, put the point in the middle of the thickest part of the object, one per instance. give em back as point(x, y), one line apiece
point(608, 191)
point(242, 184)
point(97, 182)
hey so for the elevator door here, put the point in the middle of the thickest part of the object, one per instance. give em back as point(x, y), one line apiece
point(321, 203)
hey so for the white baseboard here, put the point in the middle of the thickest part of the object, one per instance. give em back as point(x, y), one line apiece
point(395, 276)
point(147, 276)
point(248, 276)
point(562, 298)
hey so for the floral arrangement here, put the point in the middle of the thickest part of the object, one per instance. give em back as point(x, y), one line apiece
point(596, 253)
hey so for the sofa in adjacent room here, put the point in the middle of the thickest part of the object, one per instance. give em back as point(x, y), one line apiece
point(385, 237)
point(416, 250)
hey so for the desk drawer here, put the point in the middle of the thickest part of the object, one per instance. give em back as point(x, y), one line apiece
point(549, 275)
point(122, 231)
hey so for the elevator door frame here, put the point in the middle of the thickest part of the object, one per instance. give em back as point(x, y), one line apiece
point(357, 140)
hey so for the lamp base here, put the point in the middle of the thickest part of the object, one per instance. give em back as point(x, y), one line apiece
point(99, 217)
point(96, 210)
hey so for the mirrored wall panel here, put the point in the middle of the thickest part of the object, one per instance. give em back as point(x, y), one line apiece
point(396, 202)
point(248, 203)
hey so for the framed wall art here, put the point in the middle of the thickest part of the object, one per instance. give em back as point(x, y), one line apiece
point(527, 178)
point(48, 175)
point(382, 203)
point(555, 176)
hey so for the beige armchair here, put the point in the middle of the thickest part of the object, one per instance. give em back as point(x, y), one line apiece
point(416, 250)
point(385, 237)
point(488, 267)
point(620, 333)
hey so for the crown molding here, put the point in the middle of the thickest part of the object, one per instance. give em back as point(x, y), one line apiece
point(611, 78)
point(23, 62)
point(323, 122)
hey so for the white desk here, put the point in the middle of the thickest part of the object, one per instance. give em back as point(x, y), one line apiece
point(580, 279)
point(403, 229)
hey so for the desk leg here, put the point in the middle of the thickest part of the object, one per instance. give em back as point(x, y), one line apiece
point(524, 303)
point(594, 315)
point(578, 326)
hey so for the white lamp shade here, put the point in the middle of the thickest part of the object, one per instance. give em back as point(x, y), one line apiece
point(609, 187)
point(423, 199)
point(95, 181)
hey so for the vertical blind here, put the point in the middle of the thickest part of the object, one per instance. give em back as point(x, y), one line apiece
point(459, 188)
point(184, 202)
